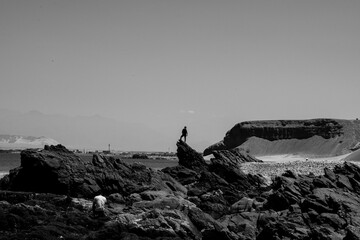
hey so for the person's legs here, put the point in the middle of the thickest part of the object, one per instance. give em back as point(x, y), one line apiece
point(183, 136)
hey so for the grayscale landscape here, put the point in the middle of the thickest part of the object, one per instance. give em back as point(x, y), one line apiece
point(203, 119)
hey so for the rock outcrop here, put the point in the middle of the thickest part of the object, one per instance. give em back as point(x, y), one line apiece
point(215, 186)
point(189, 158)
point(314, 137)
point(236, 155)
point(57, 170)
point(216, 201)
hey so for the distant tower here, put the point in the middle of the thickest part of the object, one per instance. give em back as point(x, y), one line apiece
point(109, 148)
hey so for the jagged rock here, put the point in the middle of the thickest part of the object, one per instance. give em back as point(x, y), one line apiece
point(219, 184)
point(57, 170)
point(189, 158)
point(332, 219)
point(243, 205)
point(218, 201)
point(203, 221)
point(154, 224)
point(116, 198)
point(231, 172)
point(44, 216)
point(353, 233)
point(182, 174)
point(164, 202)
point(241, 224)
point(236, 156)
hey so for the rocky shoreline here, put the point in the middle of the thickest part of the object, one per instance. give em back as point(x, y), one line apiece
point(270, 170)
point(50, 197)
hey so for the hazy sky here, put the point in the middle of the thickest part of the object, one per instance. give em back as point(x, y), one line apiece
point(165, 63)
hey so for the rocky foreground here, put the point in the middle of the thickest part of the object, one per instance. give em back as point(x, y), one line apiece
point(50, 197)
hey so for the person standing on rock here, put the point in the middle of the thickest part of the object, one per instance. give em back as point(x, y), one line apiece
point(184, 134)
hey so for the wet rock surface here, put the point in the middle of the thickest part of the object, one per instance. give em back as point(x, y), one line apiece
point(195, 200)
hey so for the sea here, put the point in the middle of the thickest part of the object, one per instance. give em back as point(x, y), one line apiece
point(10, 161)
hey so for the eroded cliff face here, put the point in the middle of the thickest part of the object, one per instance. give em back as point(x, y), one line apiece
point(342, 134)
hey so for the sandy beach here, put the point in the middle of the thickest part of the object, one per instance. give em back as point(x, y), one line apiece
point(278, 164)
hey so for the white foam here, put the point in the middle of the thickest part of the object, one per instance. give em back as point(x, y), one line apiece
point(2, 174)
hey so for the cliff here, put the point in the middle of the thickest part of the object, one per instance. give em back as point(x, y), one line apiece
point(316, 137)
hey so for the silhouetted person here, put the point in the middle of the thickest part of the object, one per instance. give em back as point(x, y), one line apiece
point(184, 133)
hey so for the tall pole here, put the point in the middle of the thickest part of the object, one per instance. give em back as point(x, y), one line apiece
point(109, 148)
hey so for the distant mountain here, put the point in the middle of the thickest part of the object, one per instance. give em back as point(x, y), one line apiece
point(90, 132)
point(22, 142)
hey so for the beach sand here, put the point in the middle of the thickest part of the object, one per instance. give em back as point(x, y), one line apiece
point(278, 164)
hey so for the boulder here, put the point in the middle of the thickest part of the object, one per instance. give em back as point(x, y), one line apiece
point(189, 158)
point(57, 170)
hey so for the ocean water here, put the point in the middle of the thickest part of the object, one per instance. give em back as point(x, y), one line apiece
point(150, 163)
point(9, 161)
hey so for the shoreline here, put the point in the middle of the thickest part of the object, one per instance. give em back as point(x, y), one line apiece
point(293, 157)
point(276, 165)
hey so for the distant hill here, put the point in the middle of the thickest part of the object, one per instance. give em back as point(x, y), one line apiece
point(22, 142)
point(354, 157)
point(91, 132)
point(313, 137)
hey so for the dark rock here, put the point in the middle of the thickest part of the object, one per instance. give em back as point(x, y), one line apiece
point(58, 148)
point(243, 205)
point(320, 232)
point(232, 174)
point(332, 219)
point(182, 174)
point(290, 174)
point(348, 169)
point(323, 182)
point(217, 185)
point(236, 156)
point(329, 174)
point(344, 182)
point(203, 221)
point(189, 158)
point(43, 216)
point(227, 165)
point(218, 201)
point(277, 201)
point(59, 171)
point(353, 233)
point(244, 225)
point(116, 198)
point(154, 224)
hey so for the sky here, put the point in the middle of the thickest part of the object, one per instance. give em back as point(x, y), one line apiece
point(166, 64)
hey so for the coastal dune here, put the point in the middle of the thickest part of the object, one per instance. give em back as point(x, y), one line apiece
point(309, 138)
point(276, 165)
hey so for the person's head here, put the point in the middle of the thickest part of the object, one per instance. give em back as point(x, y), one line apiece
point(185, 127)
